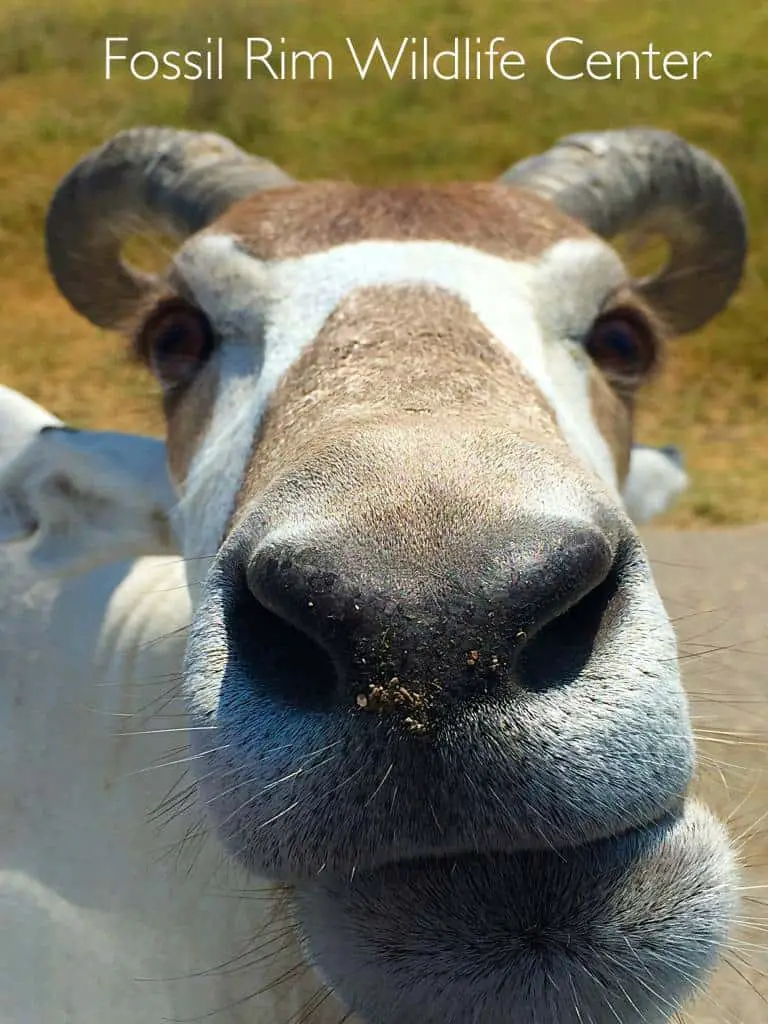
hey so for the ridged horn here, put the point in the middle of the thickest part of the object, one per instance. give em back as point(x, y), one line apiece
point(652, 181)
point(159, 179)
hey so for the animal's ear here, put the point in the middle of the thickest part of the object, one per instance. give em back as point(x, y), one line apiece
point(656, 478)
point(77, 498)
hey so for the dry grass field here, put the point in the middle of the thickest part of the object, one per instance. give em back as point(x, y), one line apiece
point(713, 397)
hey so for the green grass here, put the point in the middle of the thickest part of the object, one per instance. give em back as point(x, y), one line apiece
point(713, 399)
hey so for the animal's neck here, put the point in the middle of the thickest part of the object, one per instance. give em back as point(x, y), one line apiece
point(107, 853)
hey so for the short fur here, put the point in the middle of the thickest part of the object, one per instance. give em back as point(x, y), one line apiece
point(433, 689)
point(428, 610)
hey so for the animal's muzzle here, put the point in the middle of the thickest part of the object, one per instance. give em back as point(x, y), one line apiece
point(464, 662)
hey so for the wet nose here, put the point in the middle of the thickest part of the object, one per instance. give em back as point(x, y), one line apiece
point(326, 623)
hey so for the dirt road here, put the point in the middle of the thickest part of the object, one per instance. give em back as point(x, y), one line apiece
point(715, 585)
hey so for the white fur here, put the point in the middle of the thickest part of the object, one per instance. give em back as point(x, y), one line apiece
point(105, 915)
point(269, 313)
point(72, 499)
point(655, 480)
point(20, 420)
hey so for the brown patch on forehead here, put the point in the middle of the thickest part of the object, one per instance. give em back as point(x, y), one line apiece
point(506, 222)
point(411, 356)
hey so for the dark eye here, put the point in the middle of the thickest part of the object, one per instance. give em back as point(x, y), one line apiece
point(623, 345)
point(176, 341)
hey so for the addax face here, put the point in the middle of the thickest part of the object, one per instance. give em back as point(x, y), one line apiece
point(437, 688)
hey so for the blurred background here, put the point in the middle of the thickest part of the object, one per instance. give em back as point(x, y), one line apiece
point(712, 398)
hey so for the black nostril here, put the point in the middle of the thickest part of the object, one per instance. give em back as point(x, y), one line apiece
point(283, 660)
point(555, 572)
point(556, 654)
point(316, 628)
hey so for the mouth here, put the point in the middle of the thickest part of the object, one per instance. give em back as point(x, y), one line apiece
point(625, 929)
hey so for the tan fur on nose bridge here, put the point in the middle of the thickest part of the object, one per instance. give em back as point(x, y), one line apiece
point(396, 354)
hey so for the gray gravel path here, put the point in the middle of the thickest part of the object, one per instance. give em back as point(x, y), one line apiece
point(715, 585)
